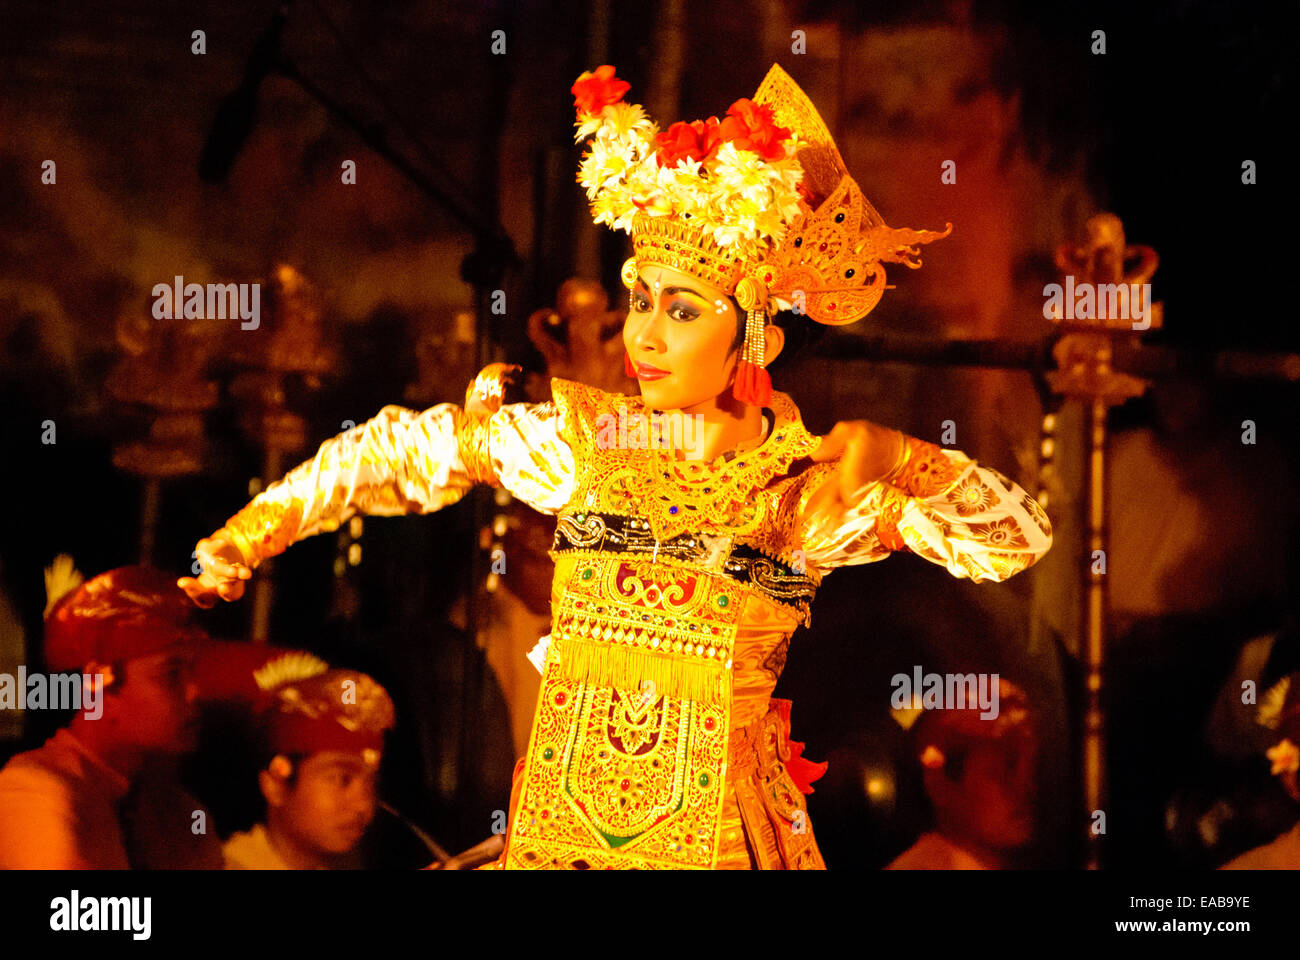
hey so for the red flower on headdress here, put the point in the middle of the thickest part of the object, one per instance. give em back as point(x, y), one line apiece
point(697, 140)
point(750, 126)
point(592, 91)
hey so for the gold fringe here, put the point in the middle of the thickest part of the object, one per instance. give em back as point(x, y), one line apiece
point(612, 665)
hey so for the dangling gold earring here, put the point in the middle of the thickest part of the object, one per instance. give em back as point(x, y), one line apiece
point(753, 383)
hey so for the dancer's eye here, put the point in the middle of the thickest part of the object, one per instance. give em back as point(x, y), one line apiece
point(640, 302)
point(683, 312)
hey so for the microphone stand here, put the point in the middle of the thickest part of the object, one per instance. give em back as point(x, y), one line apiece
point(484, 269)
point(495, 251)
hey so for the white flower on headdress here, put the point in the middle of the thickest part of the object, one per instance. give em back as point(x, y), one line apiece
point(587, 125)
point(728, 233)
point(624, 118)
point(737, 164)
point(614, 119)
point(686, 167)
point(735, 196)
point(601, 168)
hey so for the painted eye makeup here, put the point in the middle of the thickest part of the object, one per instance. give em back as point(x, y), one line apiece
point(684, 311)
point(681, 310)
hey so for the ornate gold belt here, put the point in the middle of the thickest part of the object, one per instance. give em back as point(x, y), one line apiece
point(661, 629)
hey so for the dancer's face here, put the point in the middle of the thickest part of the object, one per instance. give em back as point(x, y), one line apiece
point(687, 328)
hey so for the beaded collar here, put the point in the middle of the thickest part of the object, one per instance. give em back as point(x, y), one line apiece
point(679, 496)
point(745, 445)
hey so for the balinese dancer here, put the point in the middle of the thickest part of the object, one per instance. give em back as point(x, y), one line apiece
point(682, 568)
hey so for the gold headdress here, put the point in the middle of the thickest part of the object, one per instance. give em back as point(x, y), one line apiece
point(759, 204)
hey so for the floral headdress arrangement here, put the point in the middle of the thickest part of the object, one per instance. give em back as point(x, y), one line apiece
point(738, 178)
point(758, 203)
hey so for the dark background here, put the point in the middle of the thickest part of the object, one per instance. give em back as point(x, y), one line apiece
point(1155, 130)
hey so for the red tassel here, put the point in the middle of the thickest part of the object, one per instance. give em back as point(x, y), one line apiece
point(742, 386)
point(753, 384)
point(628, 368)
point(762, 387)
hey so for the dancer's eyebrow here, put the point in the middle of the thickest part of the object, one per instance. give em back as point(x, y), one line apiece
point(670, 291)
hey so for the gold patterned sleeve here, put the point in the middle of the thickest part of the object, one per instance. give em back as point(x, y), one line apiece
point(941, 505)
point(404, 461)
point(531, 455)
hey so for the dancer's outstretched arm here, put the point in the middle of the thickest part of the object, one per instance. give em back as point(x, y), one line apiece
point(935, 502)
point(400, 461)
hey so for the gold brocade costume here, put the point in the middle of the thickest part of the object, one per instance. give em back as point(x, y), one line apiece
point(677, 587)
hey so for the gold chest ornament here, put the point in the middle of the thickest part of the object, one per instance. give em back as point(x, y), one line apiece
point(627, 758)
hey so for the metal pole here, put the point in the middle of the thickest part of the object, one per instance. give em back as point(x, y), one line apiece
point(1094, 736)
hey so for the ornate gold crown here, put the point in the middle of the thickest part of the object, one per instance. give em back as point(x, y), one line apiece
point(759, 204)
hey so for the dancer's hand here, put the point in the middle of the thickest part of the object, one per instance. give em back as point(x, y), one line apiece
point(224, 572)
point(866, 451)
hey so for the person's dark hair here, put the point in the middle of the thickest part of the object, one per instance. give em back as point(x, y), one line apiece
point(801, 333)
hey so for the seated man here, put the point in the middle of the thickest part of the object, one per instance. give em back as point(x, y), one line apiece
point(324, 738)
point(1280, 712)
point(980, 777)
point(69, 803)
